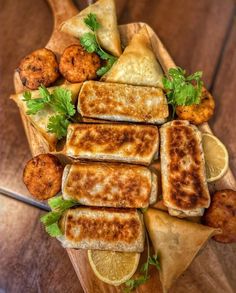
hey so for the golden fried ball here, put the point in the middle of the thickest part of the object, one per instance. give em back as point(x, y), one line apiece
point(222, 214)
point(198, 113)
point(42, 176)
point(77, 65)
point(39, 67)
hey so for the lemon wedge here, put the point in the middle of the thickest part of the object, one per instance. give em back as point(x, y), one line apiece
point(113, 267)
point(216, 157)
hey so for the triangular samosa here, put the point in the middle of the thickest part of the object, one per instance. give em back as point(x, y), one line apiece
point(138, 64)
point(108, 34)
point(40, 120)
point(176, 241)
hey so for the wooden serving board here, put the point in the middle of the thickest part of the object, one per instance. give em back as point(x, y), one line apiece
point(63, 10)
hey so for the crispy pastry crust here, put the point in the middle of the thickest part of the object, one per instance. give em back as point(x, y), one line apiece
point(122, 102)
point(103, 228)
point(109, 185)
point(184, 185)
point(113, 142)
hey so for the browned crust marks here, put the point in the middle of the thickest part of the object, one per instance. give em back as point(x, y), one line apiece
point(122, 186)
point(187, 189)
point(111, 138)
point(111, 230)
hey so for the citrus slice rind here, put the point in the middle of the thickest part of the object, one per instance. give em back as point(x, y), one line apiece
point(113, 267)
point(216, 157)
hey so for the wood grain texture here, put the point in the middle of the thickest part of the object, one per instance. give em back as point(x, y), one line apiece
point(31, 261)
point(223, 89)
point(183, 38)
point(193, 31)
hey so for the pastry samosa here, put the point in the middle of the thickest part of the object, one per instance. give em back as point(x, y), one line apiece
point(176, 241)
point(108, 34)
point(138, 64)
point(41, 119)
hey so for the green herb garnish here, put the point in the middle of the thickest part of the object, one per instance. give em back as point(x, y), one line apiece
point(90, 43)
point(182, 90)
point(59, 101)
point(50, 220)
point(143, 277)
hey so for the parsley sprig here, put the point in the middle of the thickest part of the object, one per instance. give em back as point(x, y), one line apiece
point(132, 284)
point(59, 101)
point(182, 90)
point(90, 43)
point(58, 206)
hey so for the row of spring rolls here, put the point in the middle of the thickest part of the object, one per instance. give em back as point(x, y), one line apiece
point(119, 185)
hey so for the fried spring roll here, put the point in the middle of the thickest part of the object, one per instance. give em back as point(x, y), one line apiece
point(136, 144)
point(103, 228)
point(184, 185)
point(122, 102)
point(110, 185)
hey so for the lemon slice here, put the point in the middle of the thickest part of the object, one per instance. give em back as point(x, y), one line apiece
point(113, 267)
point(216, 157)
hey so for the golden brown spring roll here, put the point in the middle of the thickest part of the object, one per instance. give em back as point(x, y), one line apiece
point(184, 185)
point(136, 144)
point(109, 185)
point(103, 228)
point(122, 102)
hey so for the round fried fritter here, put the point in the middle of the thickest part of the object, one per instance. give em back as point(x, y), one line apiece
point(43, 175)
point(198, 113)
point(77, 65)
point(39, 67)
point(222, 214)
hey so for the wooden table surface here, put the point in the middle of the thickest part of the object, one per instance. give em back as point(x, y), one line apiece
point(200, 35)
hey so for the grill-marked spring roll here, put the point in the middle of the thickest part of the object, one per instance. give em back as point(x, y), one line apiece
point(103, 228)
point(184, 185)
point(113, 142)
point(122, 102)
point(109, 185)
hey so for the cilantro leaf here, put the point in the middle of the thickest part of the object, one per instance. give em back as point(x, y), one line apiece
point(62, 103)
point(59, 204)
point(89, 42)
point(58, 124)
point(44, 93)
point(91, 22)
point(154, 260)
point(181, 89)
point(27, 96)
point(50, 220)
point(134, 283)
point(35, 105)
point(53, 230)
point(101, 71)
